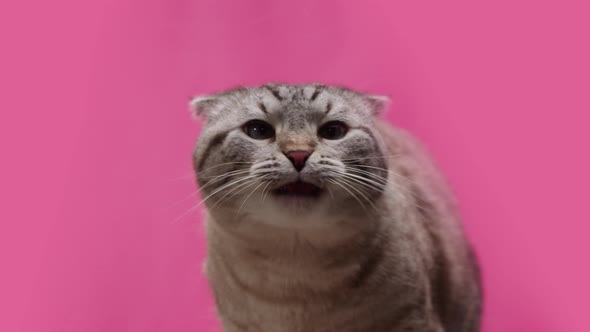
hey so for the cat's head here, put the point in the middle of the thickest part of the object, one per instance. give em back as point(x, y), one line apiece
point(282, 152)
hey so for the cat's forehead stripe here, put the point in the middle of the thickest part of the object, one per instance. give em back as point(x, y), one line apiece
point(274, 92)
point(262, 107)
point(315, 94)
point(295, 93)
point(328, 108)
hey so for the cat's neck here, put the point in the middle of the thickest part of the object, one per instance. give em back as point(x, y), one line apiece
point(287, 264)
point(312, 247)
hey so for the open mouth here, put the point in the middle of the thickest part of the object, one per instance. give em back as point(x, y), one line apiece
point(298, 189)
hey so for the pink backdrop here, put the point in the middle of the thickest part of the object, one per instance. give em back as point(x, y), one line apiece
point(96, 141)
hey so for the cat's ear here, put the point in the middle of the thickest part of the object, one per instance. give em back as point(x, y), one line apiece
point(378, 103)
point(201, 105)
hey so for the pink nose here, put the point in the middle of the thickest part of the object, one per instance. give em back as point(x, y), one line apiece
point(298, 158)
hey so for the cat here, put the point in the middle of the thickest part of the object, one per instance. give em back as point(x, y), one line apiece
point(321, 217)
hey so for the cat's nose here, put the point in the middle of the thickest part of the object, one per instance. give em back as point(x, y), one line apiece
point(298, 158)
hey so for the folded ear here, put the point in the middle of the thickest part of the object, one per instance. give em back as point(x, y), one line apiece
point(201, 105)
point(379, 104)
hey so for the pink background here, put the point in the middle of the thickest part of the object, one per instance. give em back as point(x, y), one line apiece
point(96, 142)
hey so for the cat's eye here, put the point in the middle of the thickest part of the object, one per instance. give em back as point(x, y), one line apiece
point(333, 130)
point(258, 129)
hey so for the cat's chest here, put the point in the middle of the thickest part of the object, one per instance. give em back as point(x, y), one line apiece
point(253, 315)
point(277, 301)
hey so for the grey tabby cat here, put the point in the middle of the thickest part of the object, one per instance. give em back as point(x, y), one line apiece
point(322, 218)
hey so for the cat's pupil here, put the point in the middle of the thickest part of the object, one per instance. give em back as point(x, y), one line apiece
point(333, 130)
point(258, 129)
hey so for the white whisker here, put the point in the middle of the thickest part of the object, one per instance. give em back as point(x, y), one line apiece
point(263, 191)
point(368, 166)
point(227, 185)
point(336, 182)
point(191, 210)
point(361, 181)
point(232, 192)
point(248, 197)
point(224, 164)
point(195, 207)
point(191, 195)
point(373, 157)
point(378, 185)
point(394, 174)
point(223, 176)
point(359, 191)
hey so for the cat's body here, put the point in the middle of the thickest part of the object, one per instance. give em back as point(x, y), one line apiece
point(385, 253)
